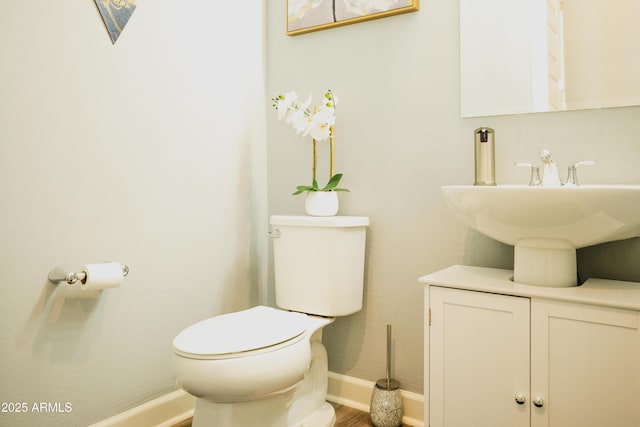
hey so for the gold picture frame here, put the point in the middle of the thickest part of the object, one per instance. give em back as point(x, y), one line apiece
point(305, 16)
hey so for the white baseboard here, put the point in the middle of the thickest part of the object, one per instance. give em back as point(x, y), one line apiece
point(170, 409)
point(165, 411)
point(356, 393)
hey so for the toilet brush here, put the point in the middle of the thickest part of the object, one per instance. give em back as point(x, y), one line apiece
point(386, 400)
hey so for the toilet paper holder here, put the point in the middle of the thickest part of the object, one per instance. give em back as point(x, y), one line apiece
point(59, 274)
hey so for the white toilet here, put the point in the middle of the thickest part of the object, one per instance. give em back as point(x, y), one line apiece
point(266, 366)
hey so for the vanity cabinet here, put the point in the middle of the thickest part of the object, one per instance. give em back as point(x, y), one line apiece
point(479, 359)
point(503, 354)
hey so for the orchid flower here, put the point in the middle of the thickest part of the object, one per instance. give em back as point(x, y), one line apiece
point(318, 123)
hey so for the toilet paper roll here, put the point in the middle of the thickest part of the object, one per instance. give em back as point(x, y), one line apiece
point(102, 276)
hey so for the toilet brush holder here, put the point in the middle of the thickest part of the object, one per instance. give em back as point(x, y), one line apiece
point(386, 404)
point(386, 399)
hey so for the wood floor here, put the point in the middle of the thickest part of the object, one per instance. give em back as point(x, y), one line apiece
point(345, 417)
point(349, 417)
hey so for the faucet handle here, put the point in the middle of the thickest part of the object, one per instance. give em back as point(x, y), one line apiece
point(535, 172)
point(545, 156)
point(572, 172)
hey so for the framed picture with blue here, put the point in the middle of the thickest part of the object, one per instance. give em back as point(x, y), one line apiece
point(304, 16)
point(115, 14)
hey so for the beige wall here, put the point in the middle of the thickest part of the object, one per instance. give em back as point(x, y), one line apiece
point(399, 138)
point(149, 152)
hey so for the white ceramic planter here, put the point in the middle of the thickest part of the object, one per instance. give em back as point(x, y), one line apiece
point(321, 203)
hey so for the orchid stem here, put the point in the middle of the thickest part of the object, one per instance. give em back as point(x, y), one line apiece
point(331, 140)
point(315, 150)
point(315, 160)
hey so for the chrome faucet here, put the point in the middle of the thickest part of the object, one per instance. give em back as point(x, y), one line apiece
point(535, 173)
point(550, 176)
point(572, 172)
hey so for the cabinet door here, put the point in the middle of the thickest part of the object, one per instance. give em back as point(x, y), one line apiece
point(479, 359)
point(585, 366)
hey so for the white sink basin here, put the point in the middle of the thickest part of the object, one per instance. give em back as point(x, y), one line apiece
point(547, 224)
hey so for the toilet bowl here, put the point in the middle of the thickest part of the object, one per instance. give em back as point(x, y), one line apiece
point(249, 368)
point(267, 366)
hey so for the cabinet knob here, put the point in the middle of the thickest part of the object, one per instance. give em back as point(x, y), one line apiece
point(538, 402)
point(520, 399)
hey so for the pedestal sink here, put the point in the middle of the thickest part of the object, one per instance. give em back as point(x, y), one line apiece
point(547, 224)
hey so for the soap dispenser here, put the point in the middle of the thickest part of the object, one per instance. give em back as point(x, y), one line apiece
point(485, 156)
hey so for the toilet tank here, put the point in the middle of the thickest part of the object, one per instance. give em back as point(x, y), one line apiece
point(319, 263)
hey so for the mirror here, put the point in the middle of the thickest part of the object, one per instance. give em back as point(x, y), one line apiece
point(529, 56)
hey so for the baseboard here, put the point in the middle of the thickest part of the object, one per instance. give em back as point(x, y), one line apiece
point(356, 393)
point(177, 406)
point(165, 411)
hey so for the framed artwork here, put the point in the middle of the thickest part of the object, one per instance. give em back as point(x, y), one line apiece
point(304, 16)
point(115, 14)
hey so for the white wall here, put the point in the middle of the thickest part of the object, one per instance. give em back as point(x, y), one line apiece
point(149, 152)
point(399, 138)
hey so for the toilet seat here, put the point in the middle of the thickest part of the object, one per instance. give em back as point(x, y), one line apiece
point(244, 333)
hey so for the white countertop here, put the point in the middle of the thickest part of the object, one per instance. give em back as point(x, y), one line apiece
point(601, 292)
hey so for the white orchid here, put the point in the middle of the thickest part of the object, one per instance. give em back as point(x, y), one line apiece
point(317, 122)
point(318, 125)
point(284, 103)
point(305, 121)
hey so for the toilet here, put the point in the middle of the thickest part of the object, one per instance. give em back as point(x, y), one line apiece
point(267, 366)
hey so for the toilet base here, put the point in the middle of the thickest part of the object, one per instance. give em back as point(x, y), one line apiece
point(264, 412)
point(301, 405)
point(267, 412)
point(325, 416)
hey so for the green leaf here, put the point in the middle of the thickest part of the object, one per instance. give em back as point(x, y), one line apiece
point(332, 185)
point(333, 182)
point(301, 189)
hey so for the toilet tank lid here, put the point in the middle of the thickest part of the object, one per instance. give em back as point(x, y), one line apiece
point(248, 330)
point(320, 221)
